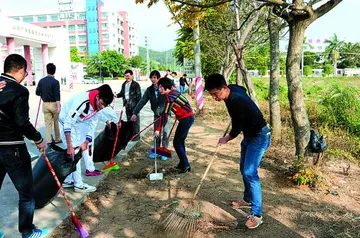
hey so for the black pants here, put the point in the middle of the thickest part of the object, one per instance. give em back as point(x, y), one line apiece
point(136, 125)
point(16, 161)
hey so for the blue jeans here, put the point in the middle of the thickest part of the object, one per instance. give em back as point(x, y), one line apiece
point(182, 89)
point(16, 161)
point(181, 133)
point(252, 151)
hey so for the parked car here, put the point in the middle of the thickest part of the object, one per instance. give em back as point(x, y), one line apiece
point(90, 81)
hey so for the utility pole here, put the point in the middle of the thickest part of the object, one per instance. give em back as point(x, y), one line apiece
point(65, 8)
point(147, 57)
point(197, 52)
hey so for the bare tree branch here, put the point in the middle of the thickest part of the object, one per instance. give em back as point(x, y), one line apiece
point(215, 4)
point(323, 9)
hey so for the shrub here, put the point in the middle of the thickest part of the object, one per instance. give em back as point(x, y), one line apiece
point(307, 70)
point(341, 108)
point(328, 69)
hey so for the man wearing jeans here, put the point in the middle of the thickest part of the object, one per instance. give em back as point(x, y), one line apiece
point(14, 156)
point(247, 118)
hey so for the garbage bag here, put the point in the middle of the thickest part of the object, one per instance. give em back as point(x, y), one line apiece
point(45, 187)
point(104, 142)
point(317, 144)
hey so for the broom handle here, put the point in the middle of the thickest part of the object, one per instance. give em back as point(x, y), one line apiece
point(172, 128)
point(58, 184)
point(37, 114)
point(144, 128)
point(211, 162)
point(116, 138)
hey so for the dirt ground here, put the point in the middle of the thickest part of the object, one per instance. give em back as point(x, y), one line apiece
point(127, 204)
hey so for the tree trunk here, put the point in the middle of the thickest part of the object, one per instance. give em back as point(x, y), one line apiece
point(274, 101)
point(238, 76)
point(228, 70)
point(295, 94)
point(247, 80)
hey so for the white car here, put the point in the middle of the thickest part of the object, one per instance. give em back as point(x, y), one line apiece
point(90, 81)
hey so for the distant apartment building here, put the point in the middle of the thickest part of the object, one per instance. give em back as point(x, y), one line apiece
point(93, 29)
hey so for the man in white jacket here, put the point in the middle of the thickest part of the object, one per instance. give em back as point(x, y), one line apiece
point(77, 120)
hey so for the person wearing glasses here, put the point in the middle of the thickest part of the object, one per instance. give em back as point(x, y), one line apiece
point(49, 90)
point(131, 94)
point(77, 121)
point(14, 156)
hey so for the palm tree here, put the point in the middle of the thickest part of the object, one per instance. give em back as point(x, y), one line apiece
point(333, 49)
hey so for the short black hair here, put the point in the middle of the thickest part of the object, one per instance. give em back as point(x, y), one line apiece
point(50, 68)
point(13, 63)
point(185, 75)
point(165, 83)
point(129, 71)
point(105, 93)
point(174, 73)
point(168, 70)
point(155, 73)
point(215, 81)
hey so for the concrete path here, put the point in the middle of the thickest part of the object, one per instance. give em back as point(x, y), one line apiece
point(54, 213)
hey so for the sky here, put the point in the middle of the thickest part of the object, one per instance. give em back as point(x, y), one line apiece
point(154, 22)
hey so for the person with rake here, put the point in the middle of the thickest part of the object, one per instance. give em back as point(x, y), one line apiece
point(14, 156)
point(78, 120)
point(157, 104)
point(179, 105)
point(246, 117)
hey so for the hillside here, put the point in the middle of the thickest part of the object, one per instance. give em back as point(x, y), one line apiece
point(162, 57)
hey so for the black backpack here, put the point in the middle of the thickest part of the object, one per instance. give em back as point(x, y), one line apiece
point(317, 143)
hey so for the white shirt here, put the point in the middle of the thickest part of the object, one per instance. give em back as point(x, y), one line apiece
point(127, 90)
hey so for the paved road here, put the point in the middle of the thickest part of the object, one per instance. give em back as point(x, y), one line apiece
point(53, 214)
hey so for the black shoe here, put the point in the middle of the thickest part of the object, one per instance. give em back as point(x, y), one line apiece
point(178, 166)
point(184, 170)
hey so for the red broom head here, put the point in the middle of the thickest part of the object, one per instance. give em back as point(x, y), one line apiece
point(79, 227)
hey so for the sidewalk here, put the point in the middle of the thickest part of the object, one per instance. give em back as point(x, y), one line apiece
point(54, 213)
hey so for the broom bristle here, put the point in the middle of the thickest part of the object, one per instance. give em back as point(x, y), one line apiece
point(162, 151)
point(79, 227)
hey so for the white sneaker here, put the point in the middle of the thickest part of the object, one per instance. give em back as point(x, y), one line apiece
point(68, 184)
point(85, 188)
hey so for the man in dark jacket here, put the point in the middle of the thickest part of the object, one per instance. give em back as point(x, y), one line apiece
point(49, 90)
point(182, 82)
point(131, 94)
point(14, 156)
point(157, 103)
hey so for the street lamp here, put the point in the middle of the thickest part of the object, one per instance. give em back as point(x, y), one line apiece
point(100, 62)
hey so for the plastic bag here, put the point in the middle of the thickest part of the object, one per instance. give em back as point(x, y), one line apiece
point(317, 143)
point(45, 187)
point(104, 142)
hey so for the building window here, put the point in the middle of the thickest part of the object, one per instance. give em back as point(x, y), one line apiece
point(16, 18)
point(104, 25)
point(82, 48)
point(106, 47)
point(72, 38)
point(81, 27)
point(42, 18)
point(105, 36)
point(82, 37)
point(54, 17)
point(55, 27)
point(81, 16)
point(28, 19)
point(71, 27)
point(104, 14)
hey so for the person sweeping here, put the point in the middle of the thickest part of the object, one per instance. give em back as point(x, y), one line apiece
point(179, 105)
point(246, 117)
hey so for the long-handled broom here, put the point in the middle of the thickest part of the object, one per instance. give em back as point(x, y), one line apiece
point(74, 219)
point(185, 218)
point(112, 164)
point(161, 150)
